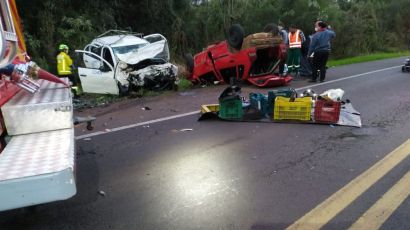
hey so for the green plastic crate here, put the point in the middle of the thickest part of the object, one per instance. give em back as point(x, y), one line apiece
point(230, 109)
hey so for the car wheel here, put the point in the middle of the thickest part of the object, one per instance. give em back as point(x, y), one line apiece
point(189, 63)
point(403, 69)
point(123, 90)
point(271, 28)
point(235, 36)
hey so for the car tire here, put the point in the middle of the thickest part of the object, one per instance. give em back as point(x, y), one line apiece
point(122, 90)
point(235, 36)
point(271, 28)
point(189, 63)
point(403, 69)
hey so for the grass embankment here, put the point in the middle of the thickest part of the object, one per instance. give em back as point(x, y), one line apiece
point(366, 58)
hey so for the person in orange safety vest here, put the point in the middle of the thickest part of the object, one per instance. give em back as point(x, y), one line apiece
point(296, 38)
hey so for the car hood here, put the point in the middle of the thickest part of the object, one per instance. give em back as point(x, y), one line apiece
point(147, 52)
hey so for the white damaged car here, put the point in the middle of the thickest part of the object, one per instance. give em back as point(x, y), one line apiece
point(112, 64)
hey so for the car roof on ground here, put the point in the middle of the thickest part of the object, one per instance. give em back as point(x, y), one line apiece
point(120, 40)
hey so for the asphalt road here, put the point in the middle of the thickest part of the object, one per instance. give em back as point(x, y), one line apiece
point(228, 175)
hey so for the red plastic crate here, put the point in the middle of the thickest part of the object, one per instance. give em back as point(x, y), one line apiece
point(327, 111)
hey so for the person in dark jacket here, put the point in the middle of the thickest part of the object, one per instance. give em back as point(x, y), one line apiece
point(305, 66)
point(319, 49)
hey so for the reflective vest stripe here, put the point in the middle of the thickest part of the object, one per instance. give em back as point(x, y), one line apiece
point(62, 66)
point(294, 40)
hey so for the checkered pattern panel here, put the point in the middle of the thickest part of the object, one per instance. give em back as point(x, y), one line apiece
point(36, 154)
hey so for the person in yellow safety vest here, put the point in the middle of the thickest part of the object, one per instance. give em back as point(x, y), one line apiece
point(64, 64)
point(296, 38)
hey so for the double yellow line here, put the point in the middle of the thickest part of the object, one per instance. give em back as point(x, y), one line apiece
point(379, 212)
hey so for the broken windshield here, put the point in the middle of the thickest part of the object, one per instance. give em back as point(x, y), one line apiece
point(128, 49)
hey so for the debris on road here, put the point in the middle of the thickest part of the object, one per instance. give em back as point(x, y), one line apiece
point(101, 193)
point(87, 139)
point(284, 105)
point(187, 93)
point(145, 126)
point(146, 108)
point(185, 130)
point(181, 130)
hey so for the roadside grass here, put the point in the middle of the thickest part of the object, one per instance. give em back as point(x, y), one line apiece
point(184, 84)
point(367, 58)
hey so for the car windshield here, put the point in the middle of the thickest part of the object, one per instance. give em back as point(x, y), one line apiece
point(128, 49)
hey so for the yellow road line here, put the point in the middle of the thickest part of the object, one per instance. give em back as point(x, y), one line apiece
point(328, 209)
point(385, 206)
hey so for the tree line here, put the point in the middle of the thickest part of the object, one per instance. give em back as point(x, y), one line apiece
point(362, 26)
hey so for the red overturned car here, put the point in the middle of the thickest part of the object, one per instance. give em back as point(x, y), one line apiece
point(255, 59)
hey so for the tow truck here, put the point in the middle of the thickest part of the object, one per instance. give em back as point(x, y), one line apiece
point(36, 124)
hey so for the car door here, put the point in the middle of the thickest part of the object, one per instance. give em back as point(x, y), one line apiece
point(97, 80)
point(89, 60)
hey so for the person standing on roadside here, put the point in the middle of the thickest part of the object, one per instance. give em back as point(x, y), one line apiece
point(283, 68)
point(319, 49)
point(296, 38)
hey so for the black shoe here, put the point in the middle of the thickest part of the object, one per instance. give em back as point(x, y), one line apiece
point(312, 81)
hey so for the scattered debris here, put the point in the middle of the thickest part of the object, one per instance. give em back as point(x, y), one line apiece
point(146, 108)
point(184, 130)
point(145, 126)
point(101, 193)
point(187, 93)
point(283, 106)
point(181, 130)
